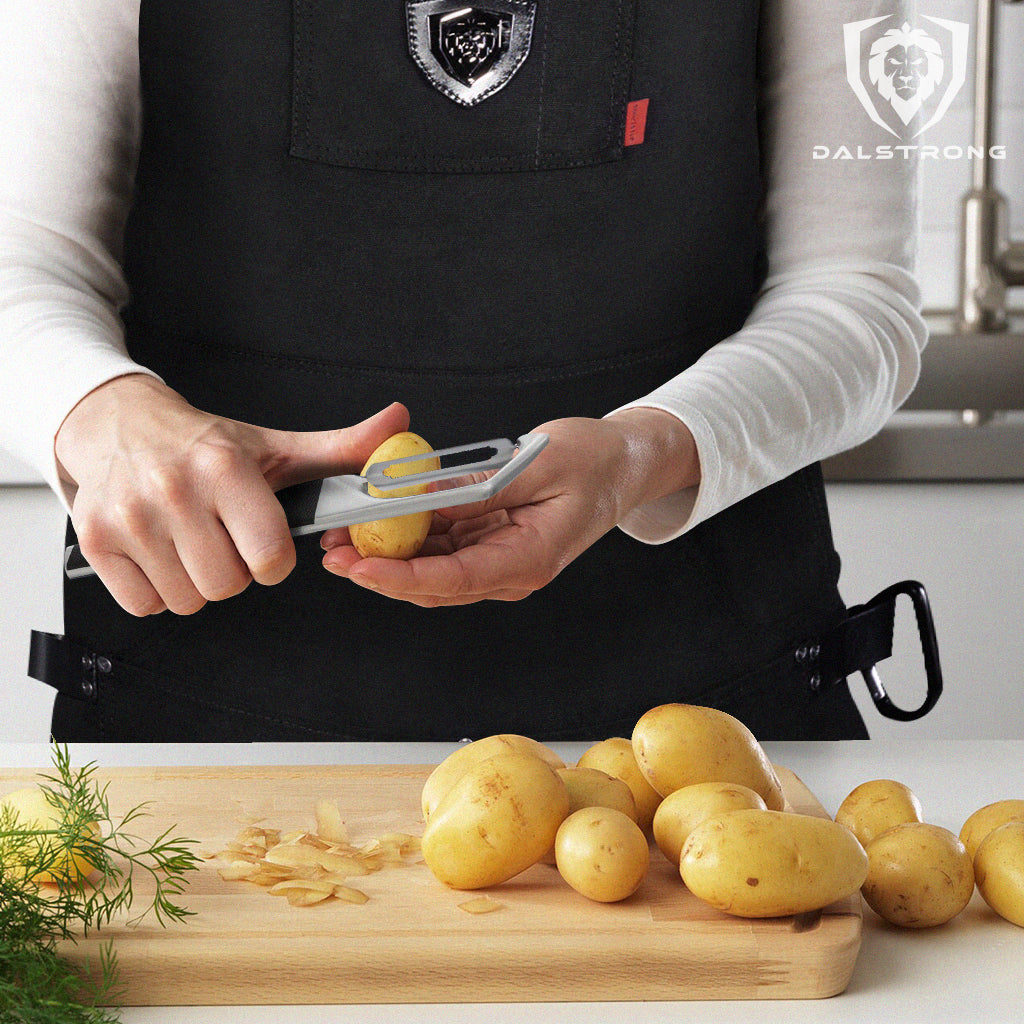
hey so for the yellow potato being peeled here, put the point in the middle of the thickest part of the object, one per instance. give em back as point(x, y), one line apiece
point(682, 811)
point(986, 819)
point(678, 745)
point(456, 764)
point(602, 853)
point(875, 807)
point(497, 820)
point(999, 871)
point(755, 863)
point(615, 756)
point(919, 875)
point(33, 811)
point(399, 536)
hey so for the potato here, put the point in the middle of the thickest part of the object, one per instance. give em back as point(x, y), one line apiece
point(497, 820)
point(875, 807)
point(589, 787)
point(32, 810)
point(755, 863)
point(999, 871)
point(987, 818)
point(919, 875)
point(602, 853)
point(456, 764)
point(615, 756)
point(678, 745)
point(399, 536)
point(682, 811)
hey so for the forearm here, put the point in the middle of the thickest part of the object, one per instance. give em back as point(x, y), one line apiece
point(819, 367)
point(67, 146)
point(57, 344)
point(833, 344)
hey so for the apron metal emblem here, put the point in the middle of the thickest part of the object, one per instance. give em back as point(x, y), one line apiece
point(469, 53)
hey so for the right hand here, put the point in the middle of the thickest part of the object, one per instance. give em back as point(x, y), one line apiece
point(175, 507)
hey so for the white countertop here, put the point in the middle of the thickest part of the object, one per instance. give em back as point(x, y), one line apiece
point(970, 970)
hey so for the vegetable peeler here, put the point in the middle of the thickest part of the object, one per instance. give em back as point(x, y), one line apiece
point(320, 505)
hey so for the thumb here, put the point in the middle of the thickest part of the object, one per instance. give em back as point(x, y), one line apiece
point(297, 456)
point(526, 489)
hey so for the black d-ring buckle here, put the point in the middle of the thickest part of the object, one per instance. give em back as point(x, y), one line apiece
point(929, 646)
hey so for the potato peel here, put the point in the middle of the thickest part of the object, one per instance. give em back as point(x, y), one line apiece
point(481, 905)
point(311, 867)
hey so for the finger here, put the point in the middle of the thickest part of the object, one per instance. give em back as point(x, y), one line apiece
point(339, 535)
point(346, 558)
point(210, 557)
point(127, 583)
point(335, 538)
point(158, 558)
point(257, 525)
point(342, 553)
point(342, 557)
point(538, 482)
point(438, 601)
point(293, 457)
point(439, 525)
point(340, 560)
point(516, 561)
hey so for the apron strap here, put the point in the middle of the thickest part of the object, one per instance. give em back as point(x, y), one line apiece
point(864, 638)
point(857, 644)
point(67, 665)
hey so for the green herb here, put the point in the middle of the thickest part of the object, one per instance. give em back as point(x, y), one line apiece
point(38, 986)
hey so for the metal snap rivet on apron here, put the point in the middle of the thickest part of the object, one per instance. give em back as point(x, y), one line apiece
point(814, 652)
point(815, 682)
point(90, 663)
point(800, 654)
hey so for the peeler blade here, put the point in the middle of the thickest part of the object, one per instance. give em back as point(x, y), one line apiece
point(344, 500)
point(460, 460)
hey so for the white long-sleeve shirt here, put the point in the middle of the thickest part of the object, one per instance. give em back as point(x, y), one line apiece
point(830, 350)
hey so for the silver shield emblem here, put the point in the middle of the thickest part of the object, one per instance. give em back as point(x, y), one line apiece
point(900, 73)
point(469, 53)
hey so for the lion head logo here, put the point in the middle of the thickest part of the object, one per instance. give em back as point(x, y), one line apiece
point(897, 73)
point(905, 67)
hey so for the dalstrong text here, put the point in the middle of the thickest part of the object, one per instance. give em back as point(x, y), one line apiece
point(907, 152)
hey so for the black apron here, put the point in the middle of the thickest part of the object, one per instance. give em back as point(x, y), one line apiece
point(319, 229)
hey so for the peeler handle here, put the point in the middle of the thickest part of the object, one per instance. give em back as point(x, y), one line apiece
point(299, 502)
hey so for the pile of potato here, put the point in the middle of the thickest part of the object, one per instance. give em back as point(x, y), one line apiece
point(697, 781)
point(921, 875)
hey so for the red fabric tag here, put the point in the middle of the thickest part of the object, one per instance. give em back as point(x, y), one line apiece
point(636, 122)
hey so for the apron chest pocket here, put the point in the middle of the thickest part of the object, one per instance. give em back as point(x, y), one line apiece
point(439, 86)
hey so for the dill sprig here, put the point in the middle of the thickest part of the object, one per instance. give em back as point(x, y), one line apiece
point(38, 986)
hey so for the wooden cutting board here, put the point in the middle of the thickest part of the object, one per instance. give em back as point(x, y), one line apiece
point(410, 942)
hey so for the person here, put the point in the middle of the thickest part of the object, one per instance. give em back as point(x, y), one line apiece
point(244, 244)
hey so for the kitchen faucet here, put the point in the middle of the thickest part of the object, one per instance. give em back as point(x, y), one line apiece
point(989, 261)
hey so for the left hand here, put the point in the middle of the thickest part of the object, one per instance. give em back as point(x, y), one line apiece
point(590, 475)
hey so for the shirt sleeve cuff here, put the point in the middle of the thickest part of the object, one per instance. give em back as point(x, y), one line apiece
point(79, 366)
point(668, 517)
